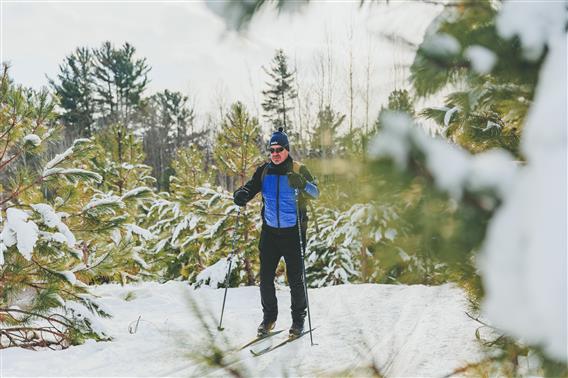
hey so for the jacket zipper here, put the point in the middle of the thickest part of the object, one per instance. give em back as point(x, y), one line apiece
point(278, 200)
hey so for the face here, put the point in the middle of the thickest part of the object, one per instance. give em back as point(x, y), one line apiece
point(277, 154)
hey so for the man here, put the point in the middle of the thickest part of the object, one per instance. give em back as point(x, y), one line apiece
point(278, 181)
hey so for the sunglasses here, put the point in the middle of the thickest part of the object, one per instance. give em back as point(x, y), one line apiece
point(276, 150)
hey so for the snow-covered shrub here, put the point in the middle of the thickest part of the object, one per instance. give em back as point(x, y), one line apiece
point(42, 215)
point(195, 224)
point(339, 250)
point(123, 194)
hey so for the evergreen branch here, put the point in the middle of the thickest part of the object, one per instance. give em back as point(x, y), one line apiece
point(5, 163)
point(27, 337)
point(38, 286)
point(477, 320)
point(465, 368)
point(35, 314)
point(6, 145)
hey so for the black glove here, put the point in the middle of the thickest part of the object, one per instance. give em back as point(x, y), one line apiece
point(240, 197)
point(296, 180)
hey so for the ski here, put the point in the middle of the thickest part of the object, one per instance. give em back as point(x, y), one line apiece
point(262, 337)
point(287, 341)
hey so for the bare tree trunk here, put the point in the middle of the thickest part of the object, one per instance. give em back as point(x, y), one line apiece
point(351, 94)
point(329, 56)
point(299, 105)
point(368, 86)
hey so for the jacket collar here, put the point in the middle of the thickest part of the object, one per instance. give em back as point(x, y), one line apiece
point(284, 167)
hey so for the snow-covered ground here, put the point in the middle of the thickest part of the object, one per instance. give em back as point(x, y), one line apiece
point(407, 331)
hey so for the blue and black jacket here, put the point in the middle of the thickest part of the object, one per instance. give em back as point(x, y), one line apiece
point(279, 199)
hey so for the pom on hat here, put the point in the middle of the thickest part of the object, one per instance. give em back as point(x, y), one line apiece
point(279, 137)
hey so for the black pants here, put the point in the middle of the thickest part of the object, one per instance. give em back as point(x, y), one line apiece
point(274, 245)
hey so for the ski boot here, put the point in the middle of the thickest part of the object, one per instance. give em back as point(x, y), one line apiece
point(265, 327)
point(297, 328)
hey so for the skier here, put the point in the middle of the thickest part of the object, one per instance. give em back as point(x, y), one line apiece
point(279, 180)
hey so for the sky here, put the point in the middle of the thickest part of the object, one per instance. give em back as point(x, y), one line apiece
point(191, 50)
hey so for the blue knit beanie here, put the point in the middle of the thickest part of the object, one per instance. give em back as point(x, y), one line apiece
point(279, 137)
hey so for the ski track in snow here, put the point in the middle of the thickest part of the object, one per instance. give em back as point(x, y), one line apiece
point(406, 330)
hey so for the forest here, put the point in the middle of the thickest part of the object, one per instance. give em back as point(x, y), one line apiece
point(103, 182)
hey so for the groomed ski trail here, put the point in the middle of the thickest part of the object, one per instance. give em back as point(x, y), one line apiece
point(406, 330)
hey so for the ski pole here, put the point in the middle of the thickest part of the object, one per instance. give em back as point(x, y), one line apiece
point(220, 328)
point(302, 252)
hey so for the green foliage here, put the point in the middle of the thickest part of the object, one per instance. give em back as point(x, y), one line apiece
point(338, 250)
point(119, 160)
point(194, 234)
point(399, 101)
point(120, 80)
point(43, 208)
point(75, 89)
point(278, 97)
point(122, 196)
point(99, 87)
point(196, 222)
point(324, 138)
point(188, 173)
point(492, 102)
point(167, 119)
point(236, 149)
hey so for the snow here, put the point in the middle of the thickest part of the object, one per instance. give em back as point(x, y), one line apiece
point(58, 159)
point(441, 44)
point(116, 236)
point(492, 169)
point(188, 222)
point(448, 162)
point(81, 312)
point(390, 234)
point(53, 220)
point(214, 275)
point(72, 171)
point(3, 249)
point(33, 139)
point(524, 259)
point(108, 200)
point(405, 330)
point(56, 237)
point(138, 259)
point(136, 192)
point(20, 231)
point(392, 143)
point(448, 115)
point(534, 22)
point(145, 234)
point(452, 167)
point(482, 59)
point(69, 276)
point(491, 125)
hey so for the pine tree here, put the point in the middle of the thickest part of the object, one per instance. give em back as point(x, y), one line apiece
point(196, 223)
point(181, 216)
point(120, 80)
point(168, 125)
point(324, 137)
point(399, 100)
point(278, 98)
point(75, 89)
point(237, 155)
point(126, 186)
point(43, 299)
